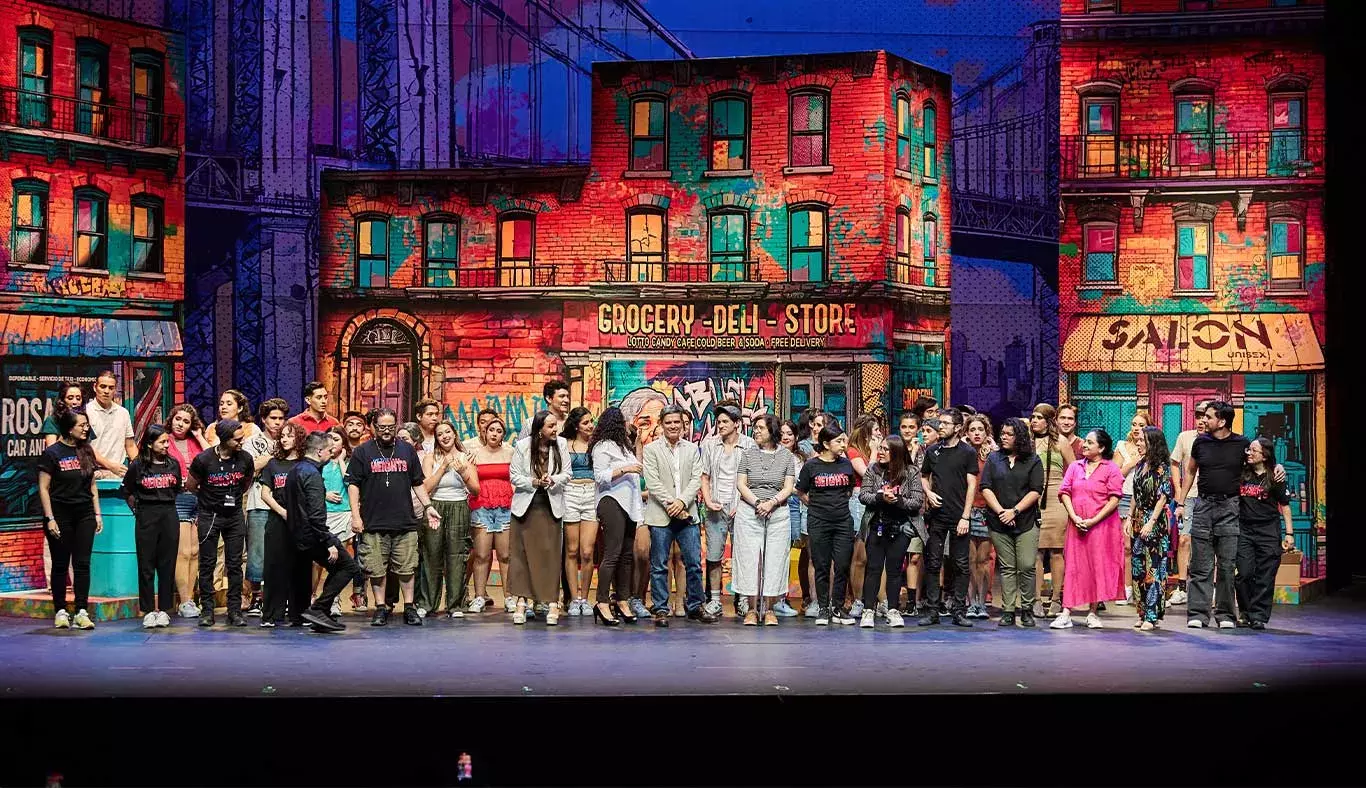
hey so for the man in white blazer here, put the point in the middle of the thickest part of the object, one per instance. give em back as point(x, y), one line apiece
point(673, 477)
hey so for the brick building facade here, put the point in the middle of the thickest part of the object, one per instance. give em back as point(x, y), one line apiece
point(1192, 245)
point(92, 265)
point(770, 230)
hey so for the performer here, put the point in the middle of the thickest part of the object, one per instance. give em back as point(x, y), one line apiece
point(66, 489)
point(673, 477)
point(220, 477)
point(151, 484)
point(305, 498)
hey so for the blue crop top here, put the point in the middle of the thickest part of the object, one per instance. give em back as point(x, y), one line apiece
point(579, 464)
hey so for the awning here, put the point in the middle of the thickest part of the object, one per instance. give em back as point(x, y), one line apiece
point(87, 337)
point(1192, 343)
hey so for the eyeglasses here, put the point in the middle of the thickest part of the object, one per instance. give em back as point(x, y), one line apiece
point(386, 427)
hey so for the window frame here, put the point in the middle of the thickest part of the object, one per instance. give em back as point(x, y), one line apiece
point(823, 133)
point(1087, 102)
point(651, 264)
point(94, 112)
point(30, 187)
point(448, 266)
point(1086, 280)
point(1300, 132)
point(1297, 283)
point(148, 119)
point(157, 209)
point(901, 235)
point(363, 258)
point(743, 136)
point(724, 261)
point(824, 212)
point(41, 39)
point(663, 139)
point(901, 101)
point(100, 198)
point(1208, 255)
point(508, 265)
point(1102, 6)
point(929, 142)
point(1178, 136)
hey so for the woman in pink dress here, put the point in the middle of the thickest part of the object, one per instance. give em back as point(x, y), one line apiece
point(1090, 494)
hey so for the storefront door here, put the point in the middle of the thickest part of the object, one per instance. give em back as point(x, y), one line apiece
point(827, 389)
point(1174, 403)
point(382, 364)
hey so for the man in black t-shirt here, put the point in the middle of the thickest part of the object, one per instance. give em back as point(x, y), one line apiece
point(949, 476)
point(1218, 456)
point(219, 476)
point(381, 480)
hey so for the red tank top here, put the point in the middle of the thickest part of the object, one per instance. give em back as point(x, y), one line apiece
point(495, 487)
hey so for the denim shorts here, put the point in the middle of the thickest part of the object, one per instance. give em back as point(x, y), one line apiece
point(187, 507)
point(1187, 515)
point(978, 523)
point(495, 521)
point(856, 508)
point(718, 524)
point(1126, 503)
point(580, 502)
point(256, 544)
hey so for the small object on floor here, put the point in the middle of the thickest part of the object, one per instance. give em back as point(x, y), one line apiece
point(1226, 624)
point(1007, 620)
point(1260, 626)
point(1243, 622)
point(457, 613)
point(421, 611)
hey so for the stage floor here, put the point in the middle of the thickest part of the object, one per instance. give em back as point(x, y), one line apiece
point(1317, 645)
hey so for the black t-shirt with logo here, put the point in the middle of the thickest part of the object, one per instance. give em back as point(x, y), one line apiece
point(70, 485)
point(1260, 499)
point(386, 478)
point(222, 481)
point(827, 486)
point(273, 478)
point(948, 468)
point(1220, 462)
point(153, 482)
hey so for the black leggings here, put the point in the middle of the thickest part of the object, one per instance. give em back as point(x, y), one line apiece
point(831, 542)
point(618, 550)
point(77, 524)
point(158, 541)
point(888, 550)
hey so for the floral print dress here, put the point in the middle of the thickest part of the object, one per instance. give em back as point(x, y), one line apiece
point(1151, 557)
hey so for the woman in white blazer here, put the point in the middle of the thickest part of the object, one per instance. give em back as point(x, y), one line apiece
point(539, 472)
point(617, 471)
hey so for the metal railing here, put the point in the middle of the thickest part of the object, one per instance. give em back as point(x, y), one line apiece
point(904, 272)
point(533, 275)
point(1239, 154)
point(672, 272)
point(33, 110)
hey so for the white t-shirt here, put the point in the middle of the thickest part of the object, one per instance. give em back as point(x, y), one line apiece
point(257, 445)
point(111, 428)
point(723, 468)
point(1180, 454)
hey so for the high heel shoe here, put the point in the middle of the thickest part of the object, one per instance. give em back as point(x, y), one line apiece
point(626, 615)
point(601, 617)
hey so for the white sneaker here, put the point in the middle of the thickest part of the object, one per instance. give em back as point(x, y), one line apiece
point(552, 614)
point(1178, 598)
point(457, 613)
point(82, 620)
point(422, 612)
point(336, 607)
point(63, 620)
point(509, 604)
point(163, 618)
point(150, 621)
point(741, 607)
point(894, 618)
point(573, 609)
point(1227, 625)
point(813, 610)
point(1195, 623)
point(841, 617)
point(881, 609)
point(518, 616)
point(856, 609)
point(713, 606)
point(1093, 621)
point(822, 618)
point(477, 606)
point(189, 609)
point(1128, 597)
point(1063, 621)
point(866, 620)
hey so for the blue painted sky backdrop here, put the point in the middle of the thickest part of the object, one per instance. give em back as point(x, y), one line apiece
point(969, 39)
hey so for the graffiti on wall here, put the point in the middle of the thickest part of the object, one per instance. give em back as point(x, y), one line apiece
point(514, 408)
point(27, 392)
point(643, 388)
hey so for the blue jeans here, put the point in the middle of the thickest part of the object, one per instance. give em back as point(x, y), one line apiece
point(256, 544)
point(689, 538)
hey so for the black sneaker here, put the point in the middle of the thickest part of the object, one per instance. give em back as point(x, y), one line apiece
point(236, 619)
point(255, 608)
point(1260, 626)
point(1026, 618)
point(929, 620)
point(321, 621)
point(1007, 620)
point(411, 618)
point(206, 617)
point(381, 616)
point(960, 619)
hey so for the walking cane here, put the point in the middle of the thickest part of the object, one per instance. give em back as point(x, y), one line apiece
point(763, 543)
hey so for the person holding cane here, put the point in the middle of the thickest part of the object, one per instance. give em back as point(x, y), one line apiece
point(764, 480)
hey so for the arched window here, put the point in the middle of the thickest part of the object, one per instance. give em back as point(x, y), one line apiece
point(148, 128)
point(29, 233)
point(929, 142)
point(1286, 103)
point(441, 249)
point(92, 228)
point(903, 131)
point(35, 77)
point(92, 87)
point(147, 235)
point(649, 133)
point(1193, 145)
point(729, 113)
point(930, 231)
point(808, 122)
point(1100, 131)
point(728, 245)
point(806, 243)
point(646, 244)
point(372, 250)
point(516, 249)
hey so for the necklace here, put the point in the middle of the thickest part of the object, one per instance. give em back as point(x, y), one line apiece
point(392, 452)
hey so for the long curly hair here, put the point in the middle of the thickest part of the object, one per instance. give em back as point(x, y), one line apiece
point(196, 423)
point(300, 435)
point(611, 428)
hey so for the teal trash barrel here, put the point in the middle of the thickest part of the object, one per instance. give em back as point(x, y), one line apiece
point(114, 563)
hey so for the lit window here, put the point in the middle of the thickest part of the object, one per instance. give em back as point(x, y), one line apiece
point(516, 249)
point(807, 128)
point(1100, 128)
point(645, 246)
point(806, 244)
point(442, 251)
point(372, 251)
point(1099, 250)
point(1287, 254)
point(30, 223)
point(147, 235)
point(648, 140)
point(729, 133)
point(903, 132)
point(91, 229)
point(929, 163)
point(1192, 256)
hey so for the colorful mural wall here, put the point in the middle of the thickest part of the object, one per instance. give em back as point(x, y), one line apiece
point(643, 388)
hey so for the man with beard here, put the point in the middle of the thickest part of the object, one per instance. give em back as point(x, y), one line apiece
point(305, 500)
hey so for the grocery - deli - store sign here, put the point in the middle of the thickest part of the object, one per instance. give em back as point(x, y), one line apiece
point(1211, 342)
point(796, 325)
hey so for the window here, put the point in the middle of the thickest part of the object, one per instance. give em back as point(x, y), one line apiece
point(903, 235)
point(931, 239)
point(648, 134)
point(1287, 133)
point(645, 245)
point(1102, 5)
point(806, 244)
point(1099, 253)
point(1194, 143)
point(30, 223)
point(729, 133)
point(442, 250)
point(91, 229)
point(807, 124)
point(930, 167)
point(147, 235)
point(372, 251)
point(516, 249)
point(729, 245)
point(35, 77)
point(1192, 256)
point(1287, 254)
point(147, 98)
point(91, 77)
point(903, 132)
point(1100, 128)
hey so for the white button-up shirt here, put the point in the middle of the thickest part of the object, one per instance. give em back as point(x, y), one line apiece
point(608, 456)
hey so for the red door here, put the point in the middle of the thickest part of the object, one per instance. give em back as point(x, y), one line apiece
point(1174, 404)
point(381, 383)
